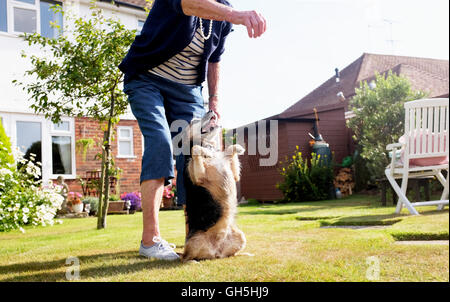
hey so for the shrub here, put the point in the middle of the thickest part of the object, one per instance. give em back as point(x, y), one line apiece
point(306, 181)
point(6, 157)
point(23, 200)
point(379, 118)
point(92, 201)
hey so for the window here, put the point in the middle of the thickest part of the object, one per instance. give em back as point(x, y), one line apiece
point(48, 16)
point(140, 25)
point(52, 144)
point(3, 16)
point(61, 155)
point(24, 20)
point(62, 160)
point(125, 141)
point(30, 16)
point(62, 126)
point(29, 139)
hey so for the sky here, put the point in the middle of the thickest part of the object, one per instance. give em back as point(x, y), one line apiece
point(306, 40)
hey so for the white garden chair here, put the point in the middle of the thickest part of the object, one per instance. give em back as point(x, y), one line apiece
point(422, 151)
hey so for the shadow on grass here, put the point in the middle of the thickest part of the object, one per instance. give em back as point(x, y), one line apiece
point(136, 264)
point(283, 211)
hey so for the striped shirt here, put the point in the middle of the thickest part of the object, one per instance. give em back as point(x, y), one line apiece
point(182, 68)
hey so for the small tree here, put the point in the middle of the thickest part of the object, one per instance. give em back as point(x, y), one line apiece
point(379, 118)
point(77, 75)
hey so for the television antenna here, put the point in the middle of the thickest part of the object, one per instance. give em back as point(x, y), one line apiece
point(391, 40)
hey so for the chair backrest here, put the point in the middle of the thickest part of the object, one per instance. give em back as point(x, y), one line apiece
point(426, 128)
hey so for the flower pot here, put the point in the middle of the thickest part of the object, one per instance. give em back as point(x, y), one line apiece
point(77, 208)
point(117, 207)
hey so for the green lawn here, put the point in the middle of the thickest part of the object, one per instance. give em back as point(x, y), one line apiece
point(288, 240)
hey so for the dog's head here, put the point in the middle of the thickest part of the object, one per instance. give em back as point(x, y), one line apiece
point(204, 131)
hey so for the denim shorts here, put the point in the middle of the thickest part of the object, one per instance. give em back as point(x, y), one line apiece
point(156, 102)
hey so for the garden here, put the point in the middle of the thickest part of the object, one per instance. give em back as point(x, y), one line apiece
point(334, 240)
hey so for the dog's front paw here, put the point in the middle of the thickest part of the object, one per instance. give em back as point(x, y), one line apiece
point(200, 151)
point(235, 149)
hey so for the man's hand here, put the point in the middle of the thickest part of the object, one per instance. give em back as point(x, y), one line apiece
point(255, 22)
point(213, 10)
point(214, 105)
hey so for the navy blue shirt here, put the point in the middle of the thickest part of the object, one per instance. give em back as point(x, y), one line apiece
point(166, 32)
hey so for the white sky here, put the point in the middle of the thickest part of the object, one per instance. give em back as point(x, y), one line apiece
point(307, 40)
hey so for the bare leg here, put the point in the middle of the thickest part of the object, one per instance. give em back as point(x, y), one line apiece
point(152, 192)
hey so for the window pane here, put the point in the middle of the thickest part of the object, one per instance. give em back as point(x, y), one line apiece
point(47, 16)
point(125, 148)
point(3, 20)
point(124, 133)
point(27, 1)
point(62, 155)
point(24, 20)
point(29, 139)
point(140, 26)
point(63, 126)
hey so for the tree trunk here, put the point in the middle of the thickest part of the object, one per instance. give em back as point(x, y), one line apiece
point(101, 186)
point(106, 165)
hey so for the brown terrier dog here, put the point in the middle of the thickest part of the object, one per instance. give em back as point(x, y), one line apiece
point(210, 178)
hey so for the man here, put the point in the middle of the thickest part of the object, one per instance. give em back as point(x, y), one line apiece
point(179, 46)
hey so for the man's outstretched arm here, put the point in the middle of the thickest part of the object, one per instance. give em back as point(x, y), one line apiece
point(213, 87)
point(212, 10)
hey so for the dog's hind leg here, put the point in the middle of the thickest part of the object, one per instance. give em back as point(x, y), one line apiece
point(197, 248)
point(234, 243)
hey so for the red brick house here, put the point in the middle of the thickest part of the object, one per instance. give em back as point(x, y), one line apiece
point(429, 75)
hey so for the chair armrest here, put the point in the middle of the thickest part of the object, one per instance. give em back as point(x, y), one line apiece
point(394, 146)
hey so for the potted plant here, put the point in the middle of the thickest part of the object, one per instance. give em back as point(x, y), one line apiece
point(74, 198)
point(168, 196)
point(135, 200)
point(93, 204)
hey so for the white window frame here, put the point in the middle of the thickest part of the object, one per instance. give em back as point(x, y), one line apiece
point(47, 131)
point(11, 4)
point(139, 28)
point(125, 139)
point(71, 134)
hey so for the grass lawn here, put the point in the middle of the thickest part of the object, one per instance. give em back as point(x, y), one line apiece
point(289, 241)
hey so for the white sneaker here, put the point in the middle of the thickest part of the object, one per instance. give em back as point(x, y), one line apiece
point(161, 250)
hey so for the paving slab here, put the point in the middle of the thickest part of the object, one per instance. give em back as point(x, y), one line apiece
point(423, 242)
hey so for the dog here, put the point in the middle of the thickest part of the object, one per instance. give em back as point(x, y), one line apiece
point(210, 177)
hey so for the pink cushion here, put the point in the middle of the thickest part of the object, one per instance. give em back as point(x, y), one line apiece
point(417, 147)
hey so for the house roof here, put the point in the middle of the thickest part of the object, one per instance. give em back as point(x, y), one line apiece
point(429, 75)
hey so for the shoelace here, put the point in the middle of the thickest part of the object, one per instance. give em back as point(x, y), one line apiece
point(164, 245)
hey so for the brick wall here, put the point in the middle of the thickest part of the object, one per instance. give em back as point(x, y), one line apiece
point(88, 128)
